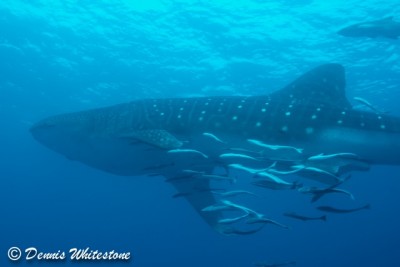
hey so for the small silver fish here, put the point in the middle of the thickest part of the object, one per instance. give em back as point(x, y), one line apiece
point(273, 171)
point(243, 150)
point(320, 192)
point(369, 105)
point(336, 210)
point(188, 151)
point(217, 178)
point(232, 220)
point(337, 163)
point(234, 193)
point(212, 136)
point(317, 174)
point(266, 221)
point(275, 147)
point(304, 218)
point(249, 170)
point(270, 184)
point(219, 207)
point(271, 177)
point(237, 156)
point(240, 207)
point(330, 156)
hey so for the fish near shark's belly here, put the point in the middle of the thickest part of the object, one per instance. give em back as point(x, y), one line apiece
point(118, 156)
point(377, 147)
point(129, 157)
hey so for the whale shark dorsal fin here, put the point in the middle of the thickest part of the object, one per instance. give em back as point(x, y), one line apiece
point(323, 86)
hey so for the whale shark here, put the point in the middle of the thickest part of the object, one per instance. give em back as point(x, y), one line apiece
point(181, 139)
point(386, 27)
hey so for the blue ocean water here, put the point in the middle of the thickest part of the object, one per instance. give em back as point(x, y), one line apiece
point(62, 56)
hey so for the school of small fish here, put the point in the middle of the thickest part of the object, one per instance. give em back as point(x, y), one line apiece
point(271, 167)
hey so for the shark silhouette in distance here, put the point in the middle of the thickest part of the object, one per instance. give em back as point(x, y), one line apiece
point(182, 138)
point(386, 27)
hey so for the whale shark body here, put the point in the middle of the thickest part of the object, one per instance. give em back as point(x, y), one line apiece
point(386, 27)
point(172, 137)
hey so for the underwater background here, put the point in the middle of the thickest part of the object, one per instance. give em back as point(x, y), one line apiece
point(61, 56)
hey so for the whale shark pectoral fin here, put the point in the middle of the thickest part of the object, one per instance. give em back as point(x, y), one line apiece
point(200, 198)
point(156, 137)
